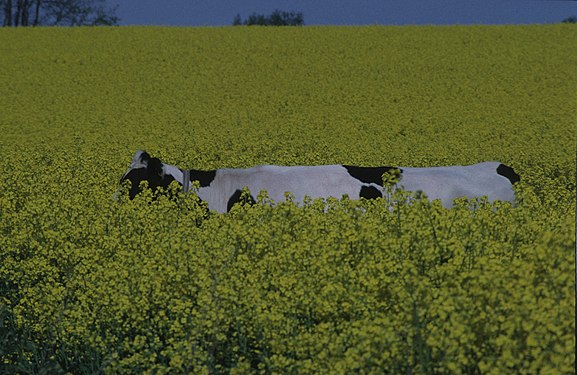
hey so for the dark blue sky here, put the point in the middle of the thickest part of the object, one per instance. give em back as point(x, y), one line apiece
point(346, 12)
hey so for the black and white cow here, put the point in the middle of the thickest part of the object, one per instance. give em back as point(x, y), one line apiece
point(222, 188)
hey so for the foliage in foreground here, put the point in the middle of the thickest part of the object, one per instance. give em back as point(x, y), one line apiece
point(333, 286)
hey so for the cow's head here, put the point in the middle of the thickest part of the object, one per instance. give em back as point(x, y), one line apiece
point(145, 168)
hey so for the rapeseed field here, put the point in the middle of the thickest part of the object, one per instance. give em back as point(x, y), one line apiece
point(89, 284)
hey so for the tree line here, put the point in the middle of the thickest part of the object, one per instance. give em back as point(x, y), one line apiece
point(22, 13)
point(15, 13)
point(277, 18)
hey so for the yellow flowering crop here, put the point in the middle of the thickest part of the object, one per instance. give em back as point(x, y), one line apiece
point(90, 284)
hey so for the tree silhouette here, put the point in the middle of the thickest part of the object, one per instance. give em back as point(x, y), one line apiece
point(277, 18)
point(56, 13)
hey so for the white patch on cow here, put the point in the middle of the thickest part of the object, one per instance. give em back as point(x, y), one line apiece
point(312, 181)
point(444, 183)
point(448, 183)
point(174, 172)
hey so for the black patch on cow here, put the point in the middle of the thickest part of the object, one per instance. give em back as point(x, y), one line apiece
point(154, 168)
point(370, 192)
point(506, 171)
point(203, 177)
point(152, 173)
point(238, 198)
point(369, 175)
point(135, 176)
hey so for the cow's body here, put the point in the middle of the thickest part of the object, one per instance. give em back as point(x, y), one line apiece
point(222, 188)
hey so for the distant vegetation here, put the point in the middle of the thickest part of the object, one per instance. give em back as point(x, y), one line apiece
point(22, 13)
point(277, 18)
point(572, 19)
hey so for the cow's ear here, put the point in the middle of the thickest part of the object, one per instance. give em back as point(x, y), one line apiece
point(154, 167)
point(144, 157)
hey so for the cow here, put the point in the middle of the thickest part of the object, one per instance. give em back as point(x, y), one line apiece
point(222, 188)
